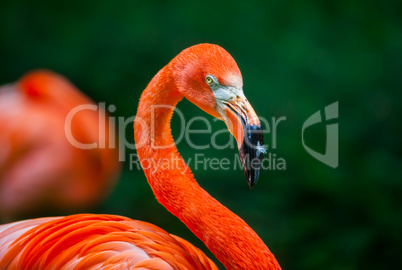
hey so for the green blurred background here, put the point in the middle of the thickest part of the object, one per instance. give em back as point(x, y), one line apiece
point(296, 57)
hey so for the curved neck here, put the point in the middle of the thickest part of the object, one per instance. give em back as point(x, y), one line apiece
point(228, 237)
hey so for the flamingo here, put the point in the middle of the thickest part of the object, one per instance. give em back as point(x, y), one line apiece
point(209, 77)
point(41, 172)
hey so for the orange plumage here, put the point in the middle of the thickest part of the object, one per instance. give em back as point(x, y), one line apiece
point(41, 172)
point(94, 242)
point(209, 77)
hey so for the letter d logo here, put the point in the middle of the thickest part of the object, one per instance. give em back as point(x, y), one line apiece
point(331, 149)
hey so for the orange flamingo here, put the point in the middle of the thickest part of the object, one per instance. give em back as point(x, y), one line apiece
point(209, 77)
point(41, 172)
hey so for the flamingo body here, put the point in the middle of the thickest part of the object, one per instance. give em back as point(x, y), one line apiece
point(209, 77)
point(88, 241)
point(41, 172)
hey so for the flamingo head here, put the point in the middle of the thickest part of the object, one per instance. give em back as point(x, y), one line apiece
point(209, 77)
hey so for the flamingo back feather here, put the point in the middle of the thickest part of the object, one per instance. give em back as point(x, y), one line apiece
point(89, 241)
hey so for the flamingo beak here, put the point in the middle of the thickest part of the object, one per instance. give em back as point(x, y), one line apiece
point(245, 126)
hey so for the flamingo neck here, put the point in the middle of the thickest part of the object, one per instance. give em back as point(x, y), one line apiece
point(228, 237)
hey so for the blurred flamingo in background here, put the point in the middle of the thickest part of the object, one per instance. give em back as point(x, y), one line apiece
point(209, 77)
point(41, 172)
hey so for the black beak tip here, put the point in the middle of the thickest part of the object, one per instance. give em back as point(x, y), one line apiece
point(251, 184)
point(251, 153)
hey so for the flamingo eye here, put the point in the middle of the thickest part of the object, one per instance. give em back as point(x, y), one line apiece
point(209, 80)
